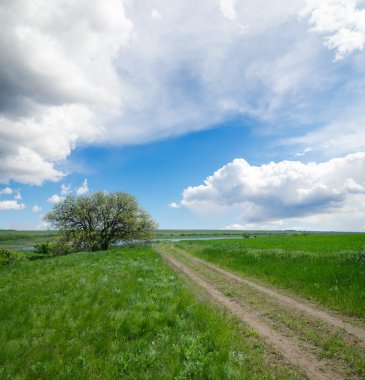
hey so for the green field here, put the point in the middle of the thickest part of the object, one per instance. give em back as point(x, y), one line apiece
point(18, 239)
point(118, 314)
point(185, 234)
point(15, 239)
point(329, 269)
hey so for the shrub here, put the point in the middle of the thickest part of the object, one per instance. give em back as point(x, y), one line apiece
point(44, 248)
point(11, 257)
point(61, 246)
point(57, 247)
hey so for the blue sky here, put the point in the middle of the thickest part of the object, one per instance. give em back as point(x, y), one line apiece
point(214, 115)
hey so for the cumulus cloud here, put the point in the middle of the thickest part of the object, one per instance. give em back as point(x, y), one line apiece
point(283, 190)
point(56, 74)
point(6, 190)
point(174, 205)
point(342, 22)
point(55, 198)
point(65, 189)
point(83, 189)
point(79, 73)
point(156, 15)
point(36, 208)
point(227, 8)
point(11, 205)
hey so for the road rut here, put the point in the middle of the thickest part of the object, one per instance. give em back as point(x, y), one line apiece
point(288, 301)
point(290, 348)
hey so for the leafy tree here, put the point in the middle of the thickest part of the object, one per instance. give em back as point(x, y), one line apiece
point(93, 222)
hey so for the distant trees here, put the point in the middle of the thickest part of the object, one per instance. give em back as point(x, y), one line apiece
point(93, 222)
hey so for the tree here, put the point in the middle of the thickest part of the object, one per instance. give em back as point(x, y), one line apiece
point(93, 222)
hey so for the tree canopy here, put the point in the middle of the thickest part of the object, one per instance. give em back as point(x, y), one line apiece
point(93, 222)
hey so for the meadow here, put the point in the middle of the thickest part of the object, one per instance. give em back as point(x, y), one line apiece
point(328, 269)
point(195, 234)
point(15, 239)
point(119, 314)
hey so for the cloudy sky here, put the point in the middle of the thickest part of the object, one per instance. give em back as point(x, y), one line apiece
point(214, 114)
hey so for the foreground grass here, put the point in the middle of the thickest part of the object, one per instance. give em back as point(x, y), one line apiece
point(118, 314)
point(328, 269)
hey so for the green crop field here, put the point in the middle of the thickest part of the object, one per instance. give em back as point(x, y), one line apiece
point(329, 269)
point(118, 314)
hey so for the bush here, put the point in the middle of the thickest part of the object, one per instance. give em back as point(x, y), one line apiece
point(44, 248)
point(58, 247)
point(61, 246)
point(11, 257)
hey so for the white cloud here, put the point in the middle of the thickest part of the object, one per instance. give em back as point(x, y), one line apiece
point(107, 72)
point(65, 189)
point(36, 208)
point(11, 205)
point(341, 137)
point(43, 225)
point(83, 189)
point(341, 21)
point(55, 198)
point(156, 15)
point(64, 54)
point(234, 226)
point(227, 8)
point(270, 225)
point(288, 189)
point(174, 205)
point(304, 152)
point(6, 190)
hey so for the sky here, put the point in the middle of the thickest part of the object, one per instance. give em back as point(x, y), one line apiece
point(222, 114)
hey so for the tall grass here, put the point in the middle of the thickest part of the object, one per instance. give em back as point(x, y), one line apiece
point(327, 269)
point(118, 314)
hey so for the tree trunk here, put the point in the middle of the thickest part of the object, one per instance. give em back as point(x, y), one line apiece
point(104, 245)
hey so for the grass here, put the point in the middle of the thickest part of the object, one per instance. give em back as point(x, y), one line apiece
point(184, 234)
point(324, 268)
point(18, 239)
point(328, 341)
point(12, 238)
point(118, 314)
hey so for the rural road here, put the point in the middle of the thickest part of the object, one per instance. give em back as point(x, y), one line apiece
point(295, 329)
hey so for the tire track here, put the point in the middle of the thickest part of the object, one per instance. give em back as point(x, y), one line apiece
point(290, 348)
point(283, 299)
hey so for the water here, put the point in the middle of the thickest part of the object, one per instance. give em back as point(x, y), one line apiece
point(30, 247)
point(178, 239)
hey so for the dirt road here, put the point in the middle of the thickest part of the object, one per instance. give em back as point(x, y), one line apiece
point(321, 345)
